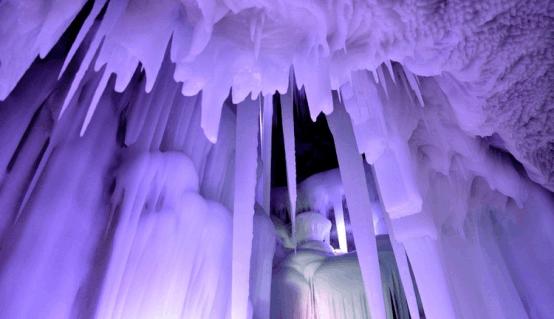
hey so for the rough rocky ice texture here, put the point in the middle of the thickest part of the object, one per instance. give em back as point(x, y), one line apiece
point(470, 191)
point(495, 56)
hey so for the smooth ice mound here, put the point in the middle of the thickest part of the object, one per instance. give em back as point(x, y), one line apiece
point(314, 283)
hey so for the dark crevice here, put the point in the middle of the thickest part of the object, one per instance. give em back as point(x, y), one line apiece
point(25, 137)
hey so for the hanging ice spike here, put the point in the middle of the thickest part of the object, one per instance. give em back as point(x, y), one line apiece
point(357, 196)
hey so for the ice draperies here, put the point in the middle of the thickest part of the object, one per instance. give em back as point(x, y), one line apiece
point(136, 147)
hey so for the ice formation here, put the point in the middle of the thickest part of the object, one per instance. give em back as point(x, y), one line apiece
point(153, 159)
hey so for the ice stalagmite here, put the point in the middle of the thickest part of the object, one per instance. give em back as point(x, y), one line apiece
point(243, 208)
point(287, 103)
point(357, 197)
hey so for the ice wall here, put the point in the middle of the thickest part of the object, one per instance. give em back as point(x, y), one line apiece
point(132, 219)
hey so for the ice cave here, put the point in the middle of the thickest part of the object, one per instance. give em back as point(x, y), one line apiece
point(276, 159)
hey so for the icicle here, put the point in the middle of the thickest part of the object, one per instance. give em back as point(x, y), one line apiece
point(95, 99)
point(382, 80)
point(339, 222)
point(375, 76)
point(391, 71)
point(357, 196)
point(98, 5)
point(412, 79)
point(243, 208)
point(201, 35)
point(267, 124)
point(113, 12)
point(406, 86)
point(290, 152)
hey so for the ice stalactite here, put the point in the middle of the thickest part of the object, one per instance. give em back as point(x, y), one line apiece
point(363, 104)
point(398, 250)
point(133, 217)
point(357, 197)
point(243, 208)
point(287, 111)
point(267, 133)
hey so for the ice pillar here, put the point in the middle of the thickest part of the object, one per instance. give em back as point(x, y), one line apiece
point(357, 196)
point(243, 208)
point(427, 264)
point(267, 132)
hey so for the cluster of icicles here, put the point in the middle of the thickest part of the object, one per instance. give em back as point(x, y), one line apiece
point(119, 190)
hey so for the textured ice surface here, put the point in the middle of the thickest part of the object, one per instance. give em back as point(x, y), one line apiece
point(488, 54)
point(119, 164)
point(313, 283)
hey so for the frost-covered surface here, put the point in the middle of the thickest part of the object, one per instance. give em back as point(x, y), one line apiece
point(498, 53)
point(119, 169)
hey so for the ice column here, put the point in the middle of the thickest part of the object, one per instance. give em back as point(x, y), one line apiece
point(357, 196)
point(243, 208)
point(267, 132)
point(288, 136)
point(401, 261)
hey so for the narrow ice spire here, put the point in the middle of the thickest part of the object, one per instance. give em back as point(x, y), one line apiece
point(414, 84)
point(383, 80)
point(267, 133)
point(388, 63)
point(97, 7)
point(243, 207)
point(113, 12)
point(359, 206)
point(290, 152)
point(95, 99)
